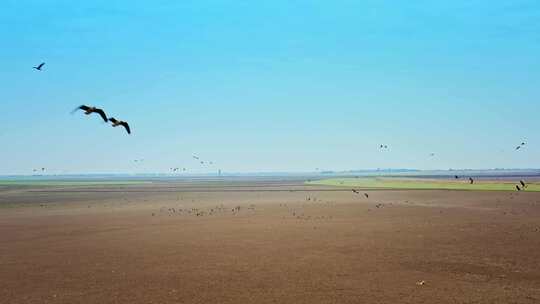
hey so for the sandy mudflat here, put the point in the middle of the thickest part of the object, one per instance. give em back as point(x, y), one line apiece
point(146, 244)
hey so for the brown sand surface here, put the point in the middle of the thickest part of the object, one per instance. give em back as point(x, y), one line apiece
point(270, 242)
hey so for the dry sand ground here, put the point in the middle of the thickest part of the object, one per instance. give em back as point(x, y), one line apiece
point(127, 245)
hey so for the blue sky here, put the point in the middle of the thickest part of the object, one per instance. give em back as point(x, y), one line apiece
point(269, 85)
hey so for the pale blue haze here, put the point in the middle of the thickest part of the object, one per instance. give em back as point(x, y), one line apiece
point(269, 85)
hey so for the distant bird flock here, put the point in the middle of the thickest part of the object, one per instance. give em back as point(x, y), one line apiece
point(88, 110)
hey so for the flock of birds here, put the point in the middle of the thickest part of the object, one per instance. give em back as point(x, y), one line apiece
point(114, 122)
point(90, 110)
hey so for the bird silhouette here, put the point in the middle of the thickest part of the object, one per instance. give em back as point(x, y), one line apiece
point(116, 123)
point(456, 177)
point(471, 180)
point(40, 66)
point(522, 183)
point(518, 188)
point(89, 110)
point(366, 195)
point(355, 191)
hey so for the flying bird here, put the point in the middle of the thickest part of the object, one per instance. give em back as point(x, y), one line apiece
point(196, 157)
point(116, 123)
point(471, 180)
point(366, 195)
point(40, 66)
point(89, 110)
point(518, 188)
point(522, 183)
point(355, 191)
point(456, 177)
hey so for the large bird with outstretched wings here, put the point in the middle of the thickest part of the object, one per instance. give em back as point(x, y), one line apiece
point(89, 110)
point(116, 123)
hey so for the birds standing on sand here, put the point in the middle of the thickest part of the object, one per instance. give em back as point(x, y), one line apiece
point(89, 110)
point(39, 67)
point(116, 123)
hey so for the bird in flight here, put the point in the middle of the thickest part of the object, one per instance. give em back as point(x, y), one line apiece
point(116, 123)
point(355, 191)
point(456, 177)
point(40, 66)
point(522, 183)
point(89, 110)
point(383, 147)
point(366, 195)
point(471, 180)
point(518, 188)
point(196, 157)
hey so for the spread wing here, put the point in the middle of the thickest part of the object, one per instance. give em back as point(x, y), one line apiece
point(102, 114)
point(113, 120)
point(125, 125)
point(41, 65)
point(81, 107)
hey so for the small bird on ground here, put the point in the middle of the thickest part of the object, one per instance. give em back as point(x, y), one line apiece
point(39, 67)
point(116, 123)
point(366, 195)
point(522, 183)
point(355, 191)
point(89, 110)
point(518, 188)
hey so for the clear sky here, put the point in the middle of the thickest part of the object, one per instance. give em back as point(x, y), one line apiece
point(277, 85)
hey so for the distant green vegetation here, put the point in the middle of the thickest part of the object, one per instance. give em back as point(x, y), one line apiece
point(68, 183)
point(421, 184)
